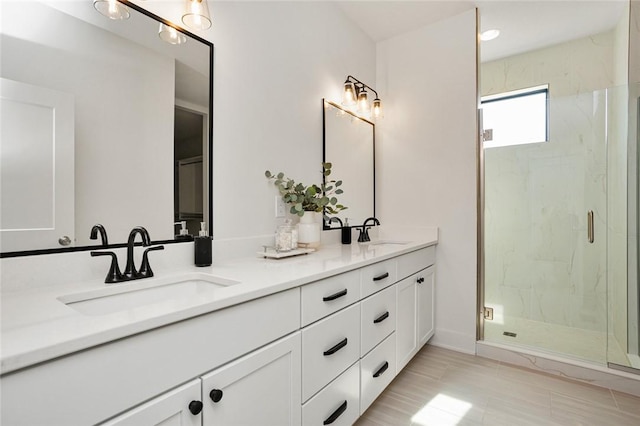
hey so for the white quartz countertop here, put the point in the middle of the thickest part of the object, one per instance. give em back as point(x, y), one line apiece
point(37, 326)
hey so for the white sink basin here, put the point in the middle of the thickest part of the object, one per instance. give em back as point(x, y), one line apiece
point(134, 294)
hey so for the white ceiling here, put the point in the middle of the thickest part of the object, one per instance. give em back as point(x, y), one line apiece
point(524, 25)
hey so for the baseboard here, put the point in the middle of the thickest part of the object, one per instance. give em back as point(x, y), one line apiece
point(454, 340)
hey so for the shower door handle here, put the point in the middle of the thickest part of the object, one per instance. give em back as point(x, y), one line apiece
point(590, 226)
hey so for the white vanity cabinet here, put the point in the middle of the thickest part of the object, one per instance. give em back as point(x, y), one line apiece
point(92, 386)
point(352, 341)
point(318, 353)
point(261, 388)
point(415, 298)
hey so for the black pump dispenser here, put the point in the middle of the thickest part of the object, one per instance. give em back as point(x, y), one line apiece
point(202, 247)
point(346, 232)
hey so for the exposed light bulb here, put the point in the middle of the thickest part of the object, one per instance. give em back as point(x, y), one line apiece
point(112, 9)
point(363, 103)
point(196, 15)
point(377, 108)
point(349, 95)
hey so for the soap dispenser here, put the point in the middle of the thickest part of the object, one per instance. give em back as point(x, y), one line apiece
point(202, 247)
point(184, 232)
point(346, 232)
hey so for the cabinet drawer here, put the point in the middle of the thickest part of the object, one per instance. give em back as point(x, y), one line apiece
point(377, 369)
point(415, 261)
point(327, 296)
point(329, 347)
point(377, 276)
point(338, 403)
point(378, 318)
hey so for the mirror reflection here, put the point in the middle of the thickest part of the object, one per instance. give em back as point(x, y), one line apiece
point(349, 144)
point(103, 122)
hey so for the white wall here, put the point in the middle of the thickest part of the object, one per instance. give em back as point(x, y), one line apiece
point(274, 62)
point(426, 159)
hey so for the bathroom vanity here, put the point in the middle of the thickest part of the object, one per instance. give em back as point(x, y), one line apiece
point(308, 340)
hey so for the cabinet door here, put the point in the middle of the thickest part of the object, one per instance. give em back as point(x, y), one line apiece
point(261, 388)
point(425, 311)
point(179, 407)
point(406, 333)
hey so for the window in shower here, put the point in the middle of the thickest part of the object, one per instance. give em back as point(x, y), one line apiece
point(515, 118)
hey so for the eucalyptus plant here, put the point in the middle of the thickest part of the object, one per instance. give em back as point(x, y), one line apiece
point(311, 198)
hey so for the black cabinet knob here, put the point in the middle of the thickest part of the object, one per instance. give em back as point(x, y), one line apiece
point(195, 407)
point(215, 395)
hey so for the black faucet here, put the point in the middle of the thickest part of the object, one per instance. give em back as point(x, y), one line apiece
point(98, 228)
point(130, 272)
point(364, 229)
point(334, 219)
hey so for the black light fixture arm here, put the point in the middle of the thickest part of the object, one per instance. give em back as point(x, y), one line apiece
point(360, 85)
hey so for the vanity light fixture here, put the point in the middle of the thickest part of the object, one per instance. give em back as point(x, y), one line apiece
point(489, 34)
point(196, 15)
point(355, 93)
point(171, 35)
point(112, 9)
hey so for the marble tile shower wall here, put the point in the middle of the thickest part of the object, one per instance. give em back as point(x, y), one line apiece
point(539, 265)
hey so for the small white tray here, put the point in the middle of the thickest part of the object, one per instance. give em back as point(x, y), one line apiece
point(271, 253)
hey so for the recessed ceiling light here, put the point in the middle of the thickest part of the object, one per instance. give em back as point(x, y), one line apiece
point(489, 35)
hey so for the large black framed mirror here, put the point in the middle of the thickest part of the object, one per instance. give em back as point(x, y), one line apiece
point(103, 122)
point(349, 145)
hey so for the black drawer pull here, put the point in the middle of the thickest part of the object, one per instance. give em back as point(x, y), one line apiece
point(420, 280)
point(336, 348)
point(381, 318)
point(381, 370)
point(381, 277)
point(335, 296)
point(333, 417)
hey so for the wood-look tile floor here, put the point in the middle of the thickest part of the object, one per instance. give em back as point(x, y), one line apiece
point(442, 387)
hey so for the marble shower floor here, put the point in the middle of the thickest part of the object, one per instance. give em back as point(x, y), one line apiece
point(576, 343)
point(442, 387)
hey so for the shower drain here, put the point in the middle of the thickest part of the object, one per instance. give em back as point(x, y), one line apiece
point(510, 334)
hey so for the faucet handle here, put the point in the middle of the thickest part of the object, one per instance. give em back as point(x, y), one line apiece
point(145, 268)
point(114, 275)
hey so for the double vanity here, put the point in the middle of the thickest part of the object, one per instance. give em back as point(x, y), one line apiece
point(307, 340)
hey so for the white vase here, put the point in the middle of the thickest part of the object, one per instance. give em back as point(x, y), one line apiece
point(309, 230)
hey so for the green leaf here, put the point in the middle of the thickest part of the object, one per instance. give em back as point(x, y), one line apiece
point(267, 173)
point(298, 207)
point(333, 200)
point(338, 183)
point(280, 175)
point(339, 191)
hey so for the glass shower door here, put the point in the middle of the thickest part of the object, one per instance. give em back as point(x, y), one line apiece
point(545, 234)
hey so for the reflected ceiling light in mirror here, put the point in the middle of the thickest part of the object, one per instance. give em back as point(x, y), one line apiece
point(112, 9)
point(171, 35)
point(196, 15)
point(489, 35)
point(355, 93)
